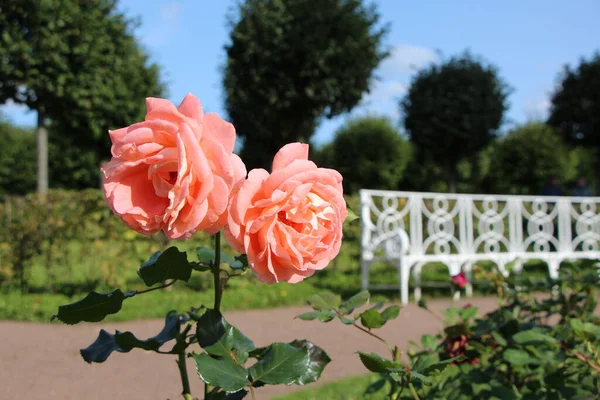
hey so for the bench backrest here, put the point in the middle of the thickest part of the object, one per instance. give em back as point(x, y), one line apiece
point(417, 224)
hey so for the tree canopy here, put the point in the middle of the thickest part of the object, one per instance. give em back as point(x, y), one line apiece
point(454, 109)
point(75, 63)
point(575, 104)
point(290, 62)
point(369, 153)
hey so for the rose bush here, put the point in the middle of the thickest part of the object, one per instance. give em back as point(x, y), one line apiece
point(289, 222)
point(174, 171)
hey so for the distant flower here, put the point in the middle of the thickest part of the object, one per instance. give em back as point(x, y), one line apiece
point(288, 222)
point(459, 280)
point(174, 171)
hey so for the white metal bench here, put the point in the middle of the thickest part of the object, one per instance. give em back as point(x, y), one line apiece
point(412, 229)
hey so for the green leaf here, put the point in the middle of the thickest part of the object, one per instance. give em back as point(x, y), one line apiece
point(390, 313)
point(318, 360)
point(218, 338)
point(421, 377)
point(205, 255)
point(124, 342)
point(224, 372)
point(347, 321)
point(282, 364)
point(171, 264)
point(92, 308)
point(350, 217)
point(429, 341)
point(309, 316)
point(423, 304)
point(324, 301)
point(499, 339)
point(517, 357)
point(531, 336)
point(467, 313)
point(356, 301)
point(375, 386)
point(378, 305)
point(375, 363)
point(440, 366)
point(371, 319)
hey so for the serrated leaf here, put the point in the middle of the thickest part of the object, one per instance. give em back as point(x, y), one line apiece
point(421, 377)
point(282, 364)
point(206, 255)
point(390, 313)
point(531, 336)
point(218, 338)
point(517, 357)
point(318, 360)
point(170, 264)
point(375, 363)
point(378, 305)
point(323, 301)
point(347, 321)
point(440, 366)
point(356, 301)
point(371, 319)
point(123, 342)
point(309, 316)
point(92, 308)
point(224, 372)
point(467, 313)
point(499, 339)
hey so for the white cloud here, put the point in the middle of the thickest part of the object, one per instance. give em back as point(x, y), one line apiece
point(170, 11)
point(385, 90)
point(405, 59)
point(538, 109)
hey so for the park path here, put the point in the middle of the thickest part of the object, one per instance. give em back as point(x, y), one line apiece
point(41, 361)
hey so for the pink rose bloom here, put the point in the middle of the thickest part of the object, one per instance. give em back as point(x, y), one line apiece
point(460, 280)
point(174, 171)
point(289, 222)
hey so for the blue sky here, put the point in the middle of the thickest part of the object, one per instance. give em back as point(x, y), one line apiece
point(529, 42)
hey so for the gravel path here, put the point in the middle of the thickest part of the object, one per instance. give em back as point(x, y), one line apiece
point(42, 362)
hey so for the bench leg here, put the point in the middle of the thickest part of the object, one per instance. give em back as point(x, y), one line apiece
point(417, 281)
point(553, 266)
point(469, 276)
point(404, 273)
point(364, 274)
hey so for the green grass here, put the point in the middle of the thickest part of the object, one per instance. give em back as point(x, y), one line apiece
point(352, 388)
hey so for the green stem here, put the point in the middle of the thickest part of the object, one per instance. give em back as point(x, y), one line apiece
point(217, 273)
point(185, 382)
point(413, 391)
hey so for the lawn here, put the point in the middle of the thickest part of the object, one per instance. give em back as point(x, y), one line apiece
point(352, 388)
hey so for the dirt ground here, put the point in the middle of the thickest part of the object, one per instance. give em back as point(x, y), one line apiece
point(41, 361)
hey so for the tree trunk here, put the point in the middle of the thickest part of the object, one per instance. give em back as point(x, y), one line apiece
point(42, 153)
point(451, 176)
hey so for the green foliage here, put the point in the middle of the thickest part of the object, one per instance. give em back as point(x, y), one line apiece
point(17, 160)
point(290, 62)
point(78, 64)
point(530, 347)
point(454, 110)
point(124, 342)
point(170, 264)
point(525, 159)
point(575, 104)
point(92, 308)
point(368, 152)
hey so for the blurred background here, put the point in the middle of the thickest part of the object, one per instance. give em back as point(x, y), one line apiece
point(447, 96)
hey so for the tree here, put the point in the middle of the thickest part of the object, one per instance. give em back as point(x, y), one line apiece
point(290, 62)
point(524, 160)
point(17, 160)
point(453, 110)
point(575, 104)
point(369, 153)
point(76, 64)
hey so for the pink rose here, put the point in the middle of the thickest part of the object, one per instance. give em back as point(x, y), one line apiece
point(460, 280)
point(289, 222)
point(174, 171)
